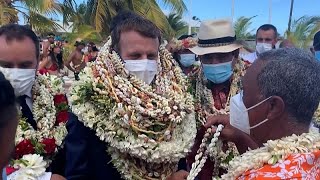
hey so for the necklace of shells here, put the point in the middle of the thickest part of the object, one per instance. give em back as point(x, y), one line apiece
point(206, 107)
point(147, 128)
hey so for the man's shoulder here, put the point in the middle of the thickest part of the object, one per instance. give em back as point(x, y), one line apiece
point(250, 57)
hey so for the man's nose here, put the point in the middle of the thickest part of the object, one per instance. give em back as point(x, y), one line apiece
point(144, 56)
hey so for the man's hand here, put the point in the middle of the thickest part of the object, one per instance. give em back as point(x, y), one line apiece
point(180, 175)
point(242, 140)
point(57, 177)
point(228, 133)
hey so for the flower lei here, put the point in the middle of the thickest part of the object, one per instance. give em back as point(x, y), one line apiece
point(50, 111)
point(178, 45)
point(148, 128)
point(273, 152)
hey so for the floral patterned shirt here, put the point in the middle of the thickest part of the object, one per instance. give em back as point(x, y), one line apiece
point(297, 166)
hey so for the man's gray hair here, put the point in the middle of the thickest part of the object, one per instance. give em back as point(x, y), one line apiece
point(294, 75)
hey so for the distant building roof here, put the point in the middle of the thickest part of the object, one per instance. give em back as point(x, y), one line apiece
point(66, 28)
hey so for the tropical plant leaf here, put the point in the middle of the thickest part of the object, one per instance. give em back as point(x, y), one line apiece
point(303, 30)
point(42, 24)
point(241, 27)
point(151, 10)
point(177, 6)
point(177, 24)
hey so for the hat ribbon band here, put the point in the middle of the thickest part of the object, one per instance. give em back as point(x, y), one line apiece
point(216, 42)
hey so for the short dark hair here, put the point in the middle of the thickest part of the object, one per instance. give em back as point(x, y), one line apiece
point(267, 27)
point(293, 74)
point(121, 16)
point(316, 41)
point(138, 24)
point(19, 32)
point(7, 101)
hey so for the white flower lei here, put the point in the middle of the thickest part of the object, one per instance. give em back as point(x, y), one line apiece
point(44, 112)
point(272, 152)
point(155, 126)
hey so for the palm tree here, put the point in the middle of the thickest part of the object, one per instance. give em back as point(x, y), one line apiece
point(303, 30)
point(7, 14)
point(178, 26)
point(36, 13)
point(100, 12)
point(241, 27)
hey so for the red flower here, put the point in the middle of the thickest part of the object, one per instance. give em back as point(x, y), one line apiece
point(23, 148)
point(59, 99)
point(43, 71)
point(49, 145)
point(10, 170)
point(62, 117)
point(185, 43)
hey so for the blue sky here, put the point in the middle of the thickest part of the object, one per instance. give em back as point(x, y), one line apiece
point(212, 9)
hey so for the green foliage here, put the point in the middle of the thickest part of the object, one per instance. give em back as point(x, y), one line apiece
point(303, 30)
point(241, 27)
point(100, 12)
point(36, 13)
point(177, 25)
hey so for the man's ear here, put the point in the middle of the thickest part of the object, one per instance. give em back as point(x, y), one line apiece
point(276, 107)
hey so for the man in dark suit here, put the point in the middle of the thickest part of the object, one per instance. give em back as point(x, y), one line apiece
point(19, 56)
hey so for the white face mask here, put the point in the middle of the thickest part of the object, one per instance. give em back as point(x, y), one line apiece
point(21, 80)
point(239, 117)
point(263, 47)
point(187, 60)
point(144, 69)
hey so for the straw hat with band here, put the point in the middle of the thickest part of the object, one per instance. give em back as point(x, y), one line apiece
point(215, 36)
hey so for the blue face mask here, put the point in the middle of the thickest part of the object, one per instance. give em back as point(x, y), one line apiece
point(218, 73)
point(4, 174)
point(187, 60)
point(317, 54)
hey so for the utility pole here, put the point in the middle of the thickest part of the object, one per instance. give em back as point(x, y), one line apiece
point(270, 11)
point(190, 18)
point(290, 16)
point(232, 10)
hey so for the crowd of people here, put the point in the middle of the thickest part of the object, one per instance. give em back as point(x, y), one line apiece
point(196, 108)
point(52, 60)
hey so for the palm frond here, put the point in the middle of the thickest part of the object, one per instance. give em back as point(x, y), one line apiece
point(8, 15)
point(177, 24)
point(242, 26)
point(176, 5)
point(303, 30)
point(151, 10)
point(100, 14)
point(41, 23)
